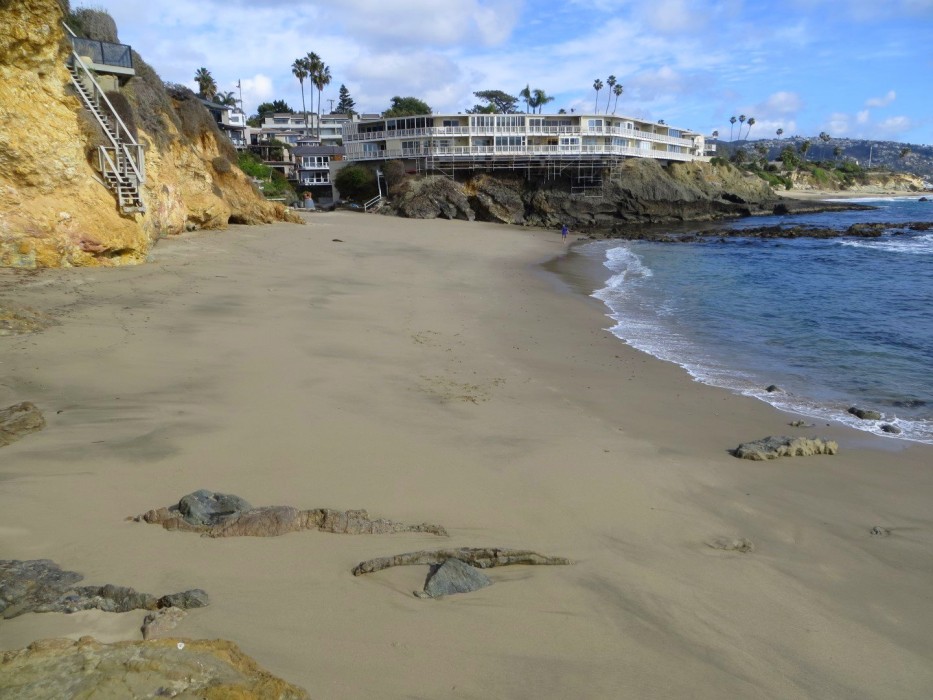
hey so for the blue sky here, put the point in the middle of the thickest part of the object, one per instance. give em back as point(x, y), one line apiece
point(856, 68)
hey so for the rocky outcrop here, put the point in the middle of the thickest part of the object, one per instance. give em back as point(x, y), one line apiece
point(40, 585)
point(224, 515)
point(16, 320)
point(181, 668)
point(19, 420)
point(773, 447)
point(637, 191)
point(54, 211)
point(864, 413)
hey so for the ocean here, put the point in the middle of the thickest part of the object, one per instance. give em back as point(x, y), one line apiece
point(833, 323)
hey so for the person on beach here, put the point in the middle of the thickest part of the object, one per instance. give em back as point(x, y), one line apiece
point(563, 232)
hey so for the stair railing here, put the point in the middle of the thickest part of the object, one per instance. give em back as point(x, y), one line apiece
point(120, 137)
point(372, 203)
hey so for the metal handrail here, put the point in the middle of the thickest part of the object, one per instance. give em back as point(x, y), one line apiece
point(118, 140)
point(372, 202)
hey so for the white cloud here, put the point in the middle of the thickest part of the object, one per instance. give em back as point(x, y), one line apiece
point(881, 101)
point(780, 103)
point(862, 117)
point(838, 124)
point(893, 127)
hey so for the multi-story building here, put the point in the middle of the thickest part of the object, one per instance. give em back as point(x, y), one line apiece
point(290, 128)
point(231, 121)
point(312, 167)
point(513, 140)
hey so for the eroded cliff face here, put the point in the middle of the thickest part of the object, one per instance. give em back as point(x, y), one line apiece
point(54, 211)
point(638, 191)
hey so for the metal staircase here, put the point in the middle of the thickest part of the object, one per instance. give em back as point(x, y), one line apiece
point(121, 164)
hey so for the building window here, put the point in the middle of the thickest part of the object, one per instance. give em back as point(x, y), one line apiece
point(594, 123)
point(280, 120)
point(482, 121)
point(450, 122)
point(510, 121)
point(510, 141)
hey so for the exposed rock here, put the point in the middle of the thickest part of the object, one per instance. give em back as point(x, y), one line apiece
point(800, 424)
point(771, 388)
point(879, 531)
point(732, 544)
point(15, 320)
point(433, 198)
point(638, 190)
point(453, 576)
point(160, 622)
point(62, 668)
point(892, 429)
point(864, 413)
point(19, 420)
point(481, 557)
point(186, 600)
point(772, 447)
point(40, 585)
point(204, 507)
point(222, 515)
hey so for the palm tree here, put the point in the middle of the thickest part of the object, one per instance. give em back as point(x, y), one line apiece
point(804, 147)
point(824, 138)
point(312, 64)
point(741, 121)
point(300, 70)
point(732, 122)
point(526, 95)
point(779, 132)
point(617, 91)
point(715, 134)
point(207, 88)
point(227, 99)
point(597, 86)
point(836, 153)
point(541, 98)
point(905, 151)
point(751, 123)
point(611, 83)
point(320, 78)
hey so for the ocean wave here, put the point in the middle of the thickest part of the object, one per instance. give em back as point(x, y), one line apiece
point(627, 268)
point(914, 245)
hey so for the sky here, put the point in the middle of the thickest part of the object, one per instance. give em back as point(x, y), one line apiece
point(851, 68)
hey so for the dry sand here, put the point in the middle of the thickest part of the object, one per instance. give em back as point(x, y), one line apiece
point(433, 371)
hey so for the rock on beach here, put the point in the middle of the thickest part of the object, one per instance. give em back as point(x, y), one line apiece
point(773, 447)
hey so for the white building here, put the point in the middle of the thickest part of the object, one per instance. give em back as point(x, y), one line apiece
point(492, 140)
point(290, 128)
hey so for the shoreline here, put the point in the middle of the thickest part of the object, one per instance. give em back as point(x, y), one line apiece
point(434, 371)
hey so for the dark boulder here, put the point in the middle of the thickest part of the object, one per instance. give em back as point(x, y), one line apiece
point(864, 413)
point(453, 576)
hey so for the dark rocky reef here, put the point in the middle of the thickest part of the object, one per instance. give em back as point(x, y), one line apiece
point(40, 585)
point(638, 190)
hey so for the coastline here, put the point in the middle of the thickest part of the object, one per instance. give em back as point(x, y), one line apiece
point(432, 371)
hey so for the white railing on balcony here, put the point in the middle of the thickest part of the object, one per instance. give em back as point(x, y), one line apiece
point(455, 152)
point(573, 130)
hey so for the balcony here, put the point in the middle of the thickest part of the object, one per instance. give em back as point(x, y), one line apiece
point(104, 56)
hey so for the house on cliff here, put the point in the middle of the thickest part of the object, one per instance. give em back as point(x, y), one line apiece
point(448, 142)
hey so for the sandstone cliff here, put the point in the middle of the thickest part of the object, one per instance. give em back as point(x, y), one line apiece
point(637, 191)
point(54, 210)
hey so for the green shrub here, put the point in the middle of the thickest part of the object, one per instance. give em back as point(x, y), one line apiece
point(716, 160)
point(820, 175)
point(252, 166)
point(356, 182)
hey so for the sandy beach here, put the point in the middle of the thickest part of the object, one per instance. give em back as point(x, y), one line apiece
point(435, 371)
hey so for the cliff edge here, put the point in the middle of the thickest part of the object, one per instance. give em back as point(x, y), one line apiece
point(54, 209)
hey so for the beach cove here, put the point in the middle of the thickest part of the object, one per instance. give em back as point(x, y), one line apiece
point(433, 371)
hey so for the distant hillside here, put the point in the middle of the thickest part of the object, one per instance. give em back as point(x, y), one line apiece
point(884, 154)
